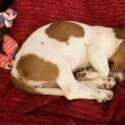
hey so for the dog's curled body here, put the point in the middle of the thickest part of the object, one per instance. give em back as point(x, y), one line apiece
point(47, 59)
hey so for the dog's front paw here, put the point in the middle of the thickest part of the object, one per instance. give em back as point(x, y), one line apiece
point(105, 83)
point(104, 95)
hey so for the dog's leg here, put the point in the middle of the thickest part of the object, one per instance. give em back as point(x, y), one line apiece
point(73, 90)
point(100, 66)
point(101, 83)
point(87, 74)
point(99, 61)
point(98, 58)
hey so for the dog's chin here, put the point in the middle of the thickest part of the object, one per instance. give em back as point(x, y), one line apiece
point(118, 76)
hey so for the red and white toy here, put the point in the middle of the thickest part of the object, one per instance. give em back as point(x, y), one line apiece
point(7, 17)
point(9, 45)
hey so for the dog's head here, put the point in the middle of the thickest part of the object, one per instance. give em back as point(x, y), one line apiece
point(117, 61)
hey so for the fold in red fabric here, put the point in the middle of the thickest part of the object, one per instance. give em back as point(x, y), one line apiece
point(20, 108)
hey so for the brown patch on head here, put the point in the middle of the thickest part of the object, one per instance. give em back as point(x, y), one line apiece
point(119, 33)
point(62, 30)
point(31, 67)
point(117, 61)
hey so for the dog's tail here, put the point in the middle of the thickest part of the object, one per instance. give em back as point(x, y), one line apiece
point(30, 89)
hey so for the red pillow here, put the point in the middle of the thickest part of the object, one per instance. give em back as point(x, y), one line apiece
point(33, 14)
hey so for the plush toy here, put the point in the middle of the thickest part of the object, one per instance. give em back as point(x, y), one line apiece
point(7, 17)
point(8, 45)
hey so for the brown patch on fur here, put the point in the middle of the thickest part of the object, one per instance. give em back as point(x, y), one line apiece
point(63, 30)
point(118, 59)
point(31, 67)
point(119, 33)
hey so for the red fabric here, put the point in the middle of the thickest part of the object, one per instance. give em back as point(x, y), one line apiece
point(20, 108)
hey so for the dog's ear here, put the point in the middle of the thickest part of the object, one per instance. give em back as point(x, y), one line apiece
point(119, 33)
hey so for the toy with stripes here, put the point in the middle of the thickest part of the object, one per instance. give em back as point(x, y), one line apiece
point(9, 45)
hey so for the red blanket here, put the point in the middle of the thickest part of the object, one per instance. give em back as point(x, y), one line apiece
point(20, 108)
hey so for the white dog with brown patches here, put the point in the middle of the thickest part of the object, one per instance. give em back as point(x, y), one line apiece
point(47, 59)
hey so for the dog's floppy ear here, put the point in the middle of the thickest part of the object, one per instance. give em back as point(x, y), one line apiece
point(119, 33)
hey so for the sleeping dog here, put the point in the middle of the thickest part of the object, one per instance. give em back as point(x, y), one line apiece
point(47, 59)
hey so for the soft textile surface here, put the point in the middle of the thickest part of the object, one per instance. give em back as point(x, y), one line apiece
point(20, 108)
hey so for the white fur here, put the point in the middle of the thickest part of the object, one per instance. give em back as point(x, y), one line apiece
point(95, 48)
